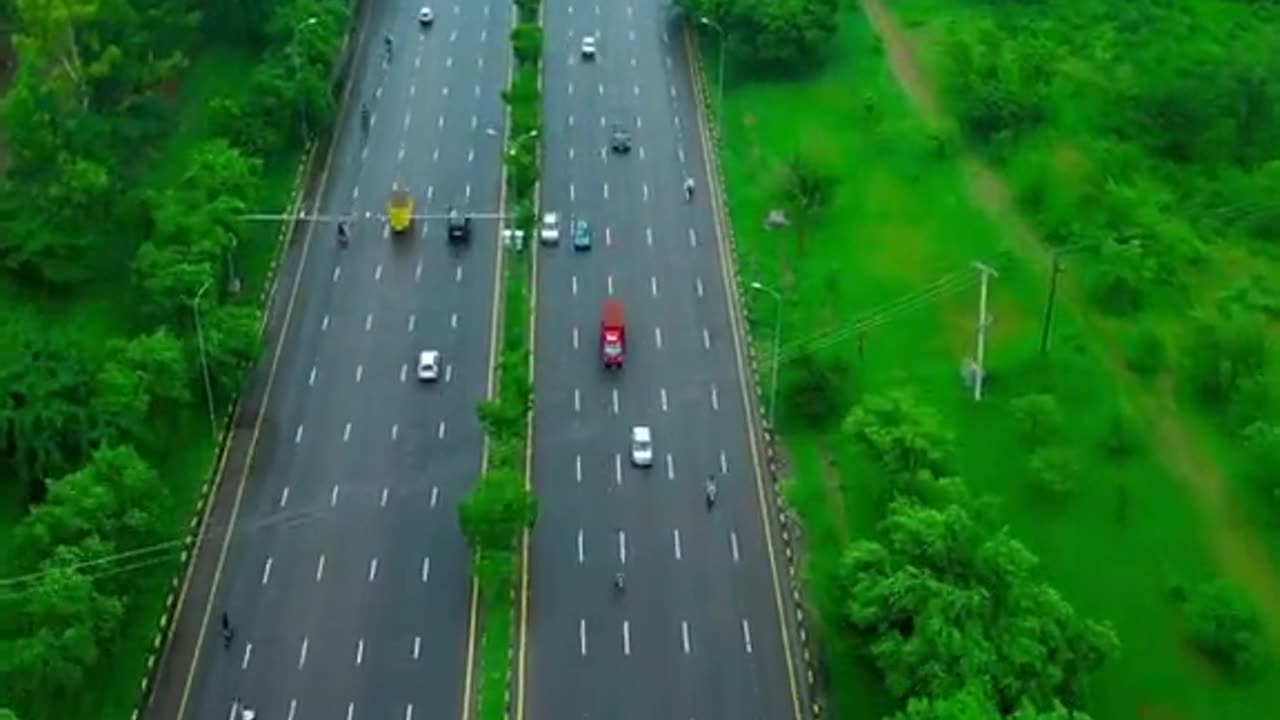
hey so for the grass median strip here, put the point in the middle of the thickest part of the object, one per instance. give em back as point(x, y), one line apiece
point(501, 507)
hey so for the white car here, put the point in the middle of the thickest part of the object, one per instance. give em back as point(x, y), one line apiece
point(426, 17)
point(429, 365)
point(549, 233)
point(589, 47)
point(641, 446)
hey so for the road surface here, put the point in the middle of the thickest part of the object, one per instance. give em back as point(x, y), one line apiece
point(346, 582)
point(696, 633)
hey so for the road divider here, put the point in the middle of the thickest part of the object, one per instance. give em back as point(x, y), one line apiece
point(497, 514)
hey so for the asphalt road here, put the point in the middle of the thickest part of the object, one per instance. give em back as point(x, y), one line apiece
point(347, 578)
point(696, 635)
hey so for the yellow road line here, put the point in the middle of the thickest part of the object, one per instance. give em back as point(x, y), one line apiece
point(495, 326)
point(731, 299)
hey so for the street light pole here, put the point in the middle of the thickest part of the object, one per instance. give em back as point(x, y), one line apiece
point(297, 74)
point(720, 75)
point(204, 358)
point(777, 348)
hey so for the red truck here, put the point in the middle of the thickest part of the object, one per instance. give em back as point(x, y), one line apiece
point(613, 334)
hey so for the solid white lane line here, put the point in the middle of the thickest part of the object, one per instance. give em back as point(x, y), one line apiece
point(320, 568)
point(746, 635)
point(706, 338)
point(373, 569)
point(622, 547)
point(653, 285)
point(435, 495)
point(724, 464)
point(577, 468)
point(297, 436)
point(698, 284)
point(312, 380)
point(412, 321)
point(346, 433)
point(733, 546)
point(671, 467)
point(324, 322)
point(284, 496)
point(359, 651)
point(395, 431)
point(417, 646)
point(266, 571)
point(368, 322)
point(582, 636)
point(383, 500)
point(662, 394)
point(648, 236)
point(302, 654)
point(575, 338)
point(359, 372)
point(615, 401)
point(577, 400)
point(657, 336)
point(333, 496)
point(426, 568)
point(715, 398)
point(626, 637)
point(617, 469)
point(675, 534)
point(684, 635)
point(580, 548)
point(440, 433)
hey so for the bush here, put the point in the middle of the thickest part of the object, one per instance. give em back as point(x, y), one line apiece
point(816, 389)
point(1224, 625)
point(526, 43)
point(1146, 353)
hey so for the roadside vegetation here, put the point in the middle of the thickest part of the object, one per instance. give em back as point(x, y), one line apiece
point(1098, 533)
point(133, 136)
point(501, 507)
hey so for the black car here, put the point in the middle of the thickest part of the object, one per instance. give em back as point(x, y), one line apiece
point(620, 140)
point(459, 226)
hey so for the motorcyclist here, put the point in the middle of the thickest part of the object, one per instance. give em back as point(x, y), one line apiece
point(618, 582)
point(688, 188)
point(364, 116)
point(343, 235)
point(711, 491)
point(388, 44)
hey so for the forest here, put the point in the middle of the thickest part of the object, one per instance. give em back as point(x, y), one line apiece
point(135, 136)
point(1111, 549)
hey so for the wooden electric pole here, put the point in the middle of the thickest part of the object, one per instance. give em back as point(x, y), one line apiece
point(980, 367)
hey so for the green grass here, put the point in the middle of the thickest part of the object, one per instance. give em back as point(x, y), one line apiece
point(495, 656)
point(184, 454)
point(902, 217)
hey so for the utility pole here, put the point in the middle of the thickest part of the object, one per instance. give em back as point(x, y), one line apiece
point(204, 359)
point(983, 321)
point(1056, 265)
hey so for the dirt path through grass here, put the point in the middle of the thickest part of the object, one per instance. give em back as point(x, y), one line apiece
point(1237, 547)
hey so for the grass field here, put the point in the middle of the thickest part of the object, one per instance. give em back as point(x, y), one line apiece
point(184, 455)
point(902, 218)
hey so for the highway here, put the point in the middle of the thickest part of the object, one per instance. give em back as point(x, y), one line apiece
point(696, 633)
point(347, 580)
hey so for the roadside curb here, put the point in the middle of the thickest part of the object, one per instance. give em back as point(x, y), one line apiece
point(198, 525)
point(789, 531)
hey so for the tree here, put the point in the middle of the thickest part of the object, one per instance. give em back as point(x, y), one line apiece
point(1261, 462)
point(1038, 417)
point(944, 605)
point(816, 388)
point(146, 368)
point(1225, 626)
point(232, 341)
point(498, 509)
point(972, 703)
point(807, 189)
point(1054, 470)
point(904, 437)
point(1228, 349)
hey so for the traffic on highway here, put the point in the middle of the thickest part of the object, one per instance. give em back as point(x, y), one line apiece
point(344, 589)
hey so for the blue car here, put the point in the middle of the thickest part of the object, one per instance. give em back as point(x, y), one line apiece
point(581, 235)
